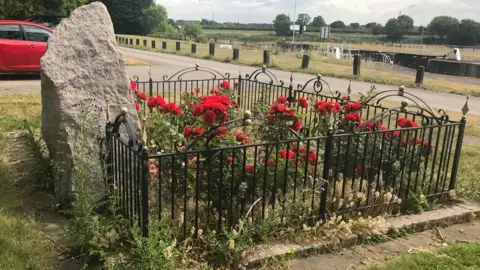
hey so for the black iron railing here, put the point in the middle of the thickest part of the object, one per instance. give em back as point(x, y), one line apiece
point(306, 178)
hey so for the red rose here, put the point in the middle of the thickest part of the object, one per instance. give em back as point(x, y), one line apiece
point(302, 102)
point(354, 106)
point(197, 90)
point(297, 125)
point(198, 110)
point(282, 100)
point(215, 91)
point(280, 108)
point(235, 84)
point(351, 117)
point(133, 86)
point(249, 169)
point(224, 100)
point(359, 169)
point(142, 96)
point(406, 123)
point(225, 85)
point(239, 136)
point(271, 162)
point(221, 131)
point(137, 106)
point(312, 158)
point(287, 154)
point(209, 118)
point(230, 160)
point(345, 97)
point(154, 102)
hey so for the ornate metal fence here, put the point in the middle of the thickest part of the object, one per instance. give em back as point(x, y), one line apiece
point(307, 178)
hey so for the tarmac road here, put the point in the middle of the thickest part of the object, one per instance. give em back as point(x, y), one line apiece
point(168, 64)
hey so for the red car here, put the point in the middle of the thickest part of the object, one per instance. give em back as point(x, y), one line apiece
point(22, 44)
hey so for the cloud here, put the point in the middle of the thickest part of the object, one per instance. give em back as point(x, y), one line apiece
point(362, 11)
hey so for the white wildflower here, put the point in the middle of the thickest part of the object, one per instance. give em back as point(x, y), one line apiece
point(231, 244)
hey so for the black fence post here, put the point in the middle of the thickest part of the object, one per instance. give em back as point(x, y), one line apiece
point(144, 192)
point(164, 45)
point(131, 41)
point(266, 57)
point(420, 75)
point(212, 49)
point(138, 42)
point(177, 46)
point(144, 43)
point(305, 61)
point(108, 159)
point(194, 48)
point(458, 151)
point(357, 61)
point(326, 174)
point(153, 44)
point(236, 54)
point(239, 89)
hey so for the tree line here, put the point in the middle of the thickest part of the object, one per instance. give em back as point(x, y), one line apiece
point(446, 28)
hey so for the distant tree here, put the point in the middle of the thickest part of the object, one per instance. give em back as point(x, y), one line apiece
point(154, 19)
point(355, 25)
point(337, 24)
point(441, 25)
point(377, 29)
point(281, 24)
point(303, 19)
point(467, 33)
point(127, 15)
point(394, 30)
point(192, 29)
point(318, 21)
point(406, 23)
point(370, 25)
point(171, 22)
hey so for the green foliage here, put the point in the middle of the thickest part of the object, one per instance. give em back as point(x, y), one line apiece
point(318, 22)
point(441, 25)
point(281, 24)
point(42, 169)
point(458, 256)
point(154, 19)
point(160, 249)
point(467, 33)
point(406, 23)
point(377, 29)
point(338, 24)
point(355, 25)
point(192, 29)
point(127, 15)
point(22, 10)
point(393, 29)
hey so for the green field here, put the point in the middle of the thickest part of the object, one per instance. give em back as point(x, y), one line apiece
point(371, 71)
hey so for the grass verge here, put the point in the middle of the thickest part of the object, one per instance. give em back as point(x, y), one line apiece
point(22, 243)
point(459, 256)
point(372, 72)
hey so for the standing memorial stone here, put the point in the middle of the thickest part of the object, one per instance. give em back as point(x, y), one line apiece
point(82, 76)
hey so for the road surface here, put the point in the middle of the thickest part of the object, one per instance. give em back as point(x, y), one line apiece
point(168, 64)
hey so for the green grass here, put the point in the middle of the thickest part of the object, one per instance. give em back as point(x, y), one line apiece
point(458, 256)
point(371, 72)
point(22, 244)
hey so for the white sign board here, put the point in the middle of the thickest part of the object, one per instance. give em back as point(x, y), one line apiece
point(297, 27)
point(325, 32)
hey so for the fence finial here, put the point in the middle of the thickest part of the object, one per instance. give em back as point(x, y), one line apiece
point(401, 90)
point(465, 108)
point(150, 72)
point(349, 89)
point(291, 78)
point(123, 111)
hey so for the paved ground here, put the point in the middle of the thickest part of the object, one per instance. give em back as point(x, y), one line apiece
point(358, 257)
point(167, 64)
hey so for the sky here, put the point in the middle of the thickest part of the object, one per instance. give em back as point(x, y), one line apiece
point(361, 11)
